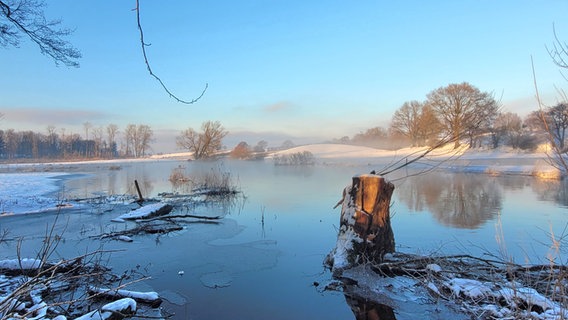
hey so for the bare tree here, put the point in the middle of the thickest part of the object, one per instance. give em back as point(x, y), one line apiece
point(462, 109)
point(241, 151)
point(416, 121)
point(559, 54)
point(429, 126)
point(373, 137)
point(87, 126)
point(287, 144)
point(129, 134)
point(559, 51)
point(406, 121)
point(26, 18)
point(112, 131)
point(557, 120)
point(261, 146)
point(99, 141)
point(204, 144)
point(52, 141)
point(507, 126)
point(142, 139)
point(10, 139)
point(137, 139)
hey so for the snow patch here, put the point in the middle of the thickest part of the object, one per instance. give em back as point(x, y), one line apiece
point(142, 212)
point(125, 306)
point(145, 296)
point(19, 264)
point(527, 295)
point(469, 288)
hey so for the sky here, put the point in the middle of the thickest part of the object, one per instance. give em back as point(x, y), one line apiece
point(308, 71)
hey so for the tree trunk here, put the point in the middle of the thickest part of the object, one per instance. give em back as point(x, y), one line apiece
point(365, 232)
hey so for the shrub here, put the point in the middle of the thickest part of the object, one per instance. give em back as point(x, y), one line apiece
point(295, 159)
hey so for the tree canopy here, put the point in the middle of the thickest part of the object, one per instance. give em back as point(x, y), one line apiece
point(203, 144)
point(462, 109)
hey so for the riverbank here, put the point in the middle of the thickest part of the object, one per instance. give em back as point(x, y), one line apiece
point(493, 162)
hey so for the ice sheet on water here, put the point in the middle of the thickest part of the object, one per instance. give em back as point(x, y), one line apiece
point(214, 280)
point(27, 192)
point(173, 297)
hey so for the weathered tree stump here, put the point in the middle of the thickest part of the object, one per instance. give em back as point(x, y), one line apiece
point(365, 232)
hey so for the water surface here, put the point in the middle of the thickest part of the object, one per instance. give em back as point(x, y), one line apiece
point(262, 259)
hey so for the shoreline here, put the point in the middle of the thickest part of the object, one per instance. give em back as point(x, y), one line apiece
point(492, 162)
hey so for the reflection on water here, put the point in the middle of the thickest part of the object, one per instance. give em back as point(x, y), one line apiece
point(457, 200)
point(468, 201)
point(552, 190)
point(364, 309)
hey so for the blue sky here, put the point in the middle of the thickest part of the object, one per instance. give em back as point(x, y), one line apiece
point(301, 70)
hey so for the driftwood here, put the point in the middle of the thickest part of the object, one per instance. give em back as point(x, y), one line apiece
point(150, 298)
point(142, 228)
point(140, 198)
point(142, 213)
point(182, 216)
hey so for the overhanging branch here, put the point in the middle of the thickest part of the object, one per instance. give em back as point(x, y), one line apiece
point(28, 18)
point(143, 46)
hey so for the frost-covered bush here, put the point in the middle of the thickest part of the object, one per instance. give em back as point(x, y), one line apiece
point(294, 159)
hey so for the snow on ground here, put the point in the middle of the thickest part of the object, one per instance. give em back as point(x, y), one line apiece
point(349, 153)
point(510, 301)
point(495, 162)
point(179, 155)
point(344, 152)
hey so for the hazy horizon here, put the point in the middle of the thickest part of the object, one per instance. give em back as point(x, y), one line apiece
point(303, 71)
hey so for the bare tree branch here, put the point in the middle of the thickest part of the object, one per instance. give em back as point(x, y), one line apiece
point(559, 51)
point(27, 17)
point(144, 45)
point(558, 160)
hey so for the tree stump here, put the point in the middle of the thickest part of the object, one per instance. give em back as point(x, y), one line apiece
point(365, 232)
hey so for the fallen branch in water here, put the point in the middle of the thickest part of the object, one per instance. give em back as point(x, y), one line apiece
point(144, 228)
point(182, 216)
point(150, 298)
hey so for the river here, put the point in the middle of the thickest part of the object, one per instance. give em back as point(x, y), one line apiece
point(264, 258)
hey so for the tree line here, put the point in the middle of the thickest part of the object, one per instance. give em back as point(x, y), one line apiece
point(97, 142)
point(456, 113)
point(462, 113)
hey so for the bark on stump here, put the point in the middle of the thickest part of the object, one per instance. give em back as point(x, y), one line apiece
point(365, 232)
